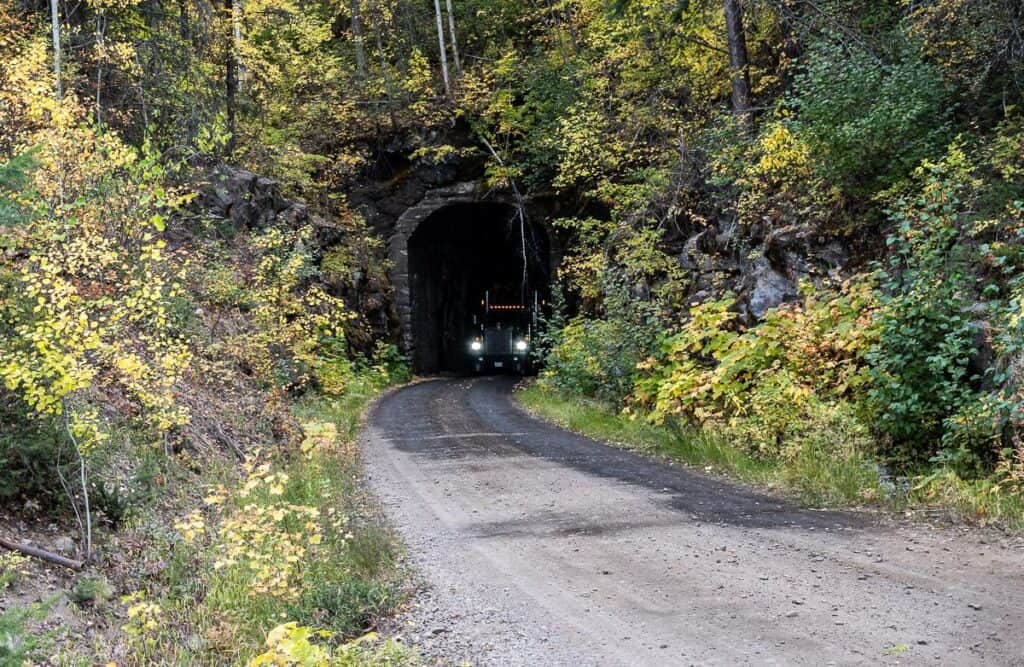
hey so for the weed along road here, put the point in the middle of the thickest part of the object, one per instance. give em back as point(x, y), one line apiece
point(541, 547)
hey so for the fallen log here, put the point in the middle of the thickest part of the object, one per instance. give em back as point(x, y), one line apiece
point(41, 554)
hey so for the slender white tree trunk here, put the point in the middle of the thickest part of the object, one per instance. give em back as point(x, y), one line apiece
point(440, 44)
point(451, 35)
point(55, 24)
point(237, 14)
point(83, 479)
point(230, 74)
point(59, 92)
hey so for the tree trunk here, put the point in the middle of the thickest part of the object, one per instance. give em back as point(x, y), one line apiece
point(404, 16)
point(737, 45)
point(55, 25)
point(377, 15)
point(184, 29)
point(237, 13)
point(101, 29)
point(357, 37)
point(440, 43)
point(231, 74)
point(451, 34)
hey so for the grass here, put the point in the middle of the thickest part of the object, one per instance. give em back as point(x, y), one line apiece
point(20, 644)
point(599, 421)
point(814, 479)
point(989, 501)
point(296, 539)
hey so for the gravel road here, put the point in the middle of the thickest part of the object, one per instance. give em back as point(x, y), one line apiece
point(540, 547)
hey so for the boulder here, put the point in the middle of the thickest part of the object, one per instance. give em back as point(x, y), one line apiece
point(247, 200)
point(768, 289)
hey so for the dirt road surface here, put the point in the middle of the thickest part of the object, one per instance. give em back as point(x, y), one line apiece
point(540, 547)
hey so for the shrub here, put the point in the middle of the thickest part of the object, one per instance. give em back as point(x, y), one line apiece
point(778, 179)
point(869, 122)
point(18, 644)
point(784, 387)
point(598, 357)
point(920, 363)
point(292, 645)
point(27, 451)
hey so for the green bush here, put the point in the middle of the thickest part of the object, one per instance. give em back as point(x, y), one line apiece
point(15, 179)
point(927, 336)
point(598, 357)
point(715, 370)
point(869, 122)
point(18, 643)
point(28, 451)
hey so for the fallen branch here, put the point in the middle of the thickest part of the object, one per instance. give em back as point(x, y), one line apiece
point(41, 554)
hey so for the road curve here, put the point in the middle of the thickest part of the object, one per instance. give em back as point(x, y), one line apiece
point(541, 547)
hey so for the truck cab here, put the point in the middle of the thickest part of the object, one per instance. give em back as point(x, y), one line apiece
point(501, 339)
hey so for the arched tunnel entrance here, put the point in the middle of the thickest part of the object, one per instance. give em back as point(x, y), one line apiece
point(465, 259)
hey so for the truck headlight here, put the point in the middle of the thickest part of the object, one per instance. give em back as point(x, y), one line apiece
point(521, 345)
point(476, 346)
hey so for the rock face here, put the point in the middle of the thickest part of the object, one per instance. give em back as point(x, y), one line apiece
point(252, 202)
point(249, 201)
point(762, 272)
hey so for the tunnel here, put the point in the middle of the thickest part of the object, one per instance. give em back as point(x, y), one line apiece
point(466, 260)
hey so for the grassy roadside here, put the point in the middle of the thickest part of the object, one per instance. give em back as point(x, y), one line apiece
point(286, 561)
point(281, 560)
point(813, 480)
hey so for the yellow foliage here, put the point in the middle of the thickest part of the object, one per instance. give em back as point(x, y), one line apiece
point(289, 644)
point(319, 437)
point(268, 538)
point(94, 282)
point(143, 616)
point(192, 526)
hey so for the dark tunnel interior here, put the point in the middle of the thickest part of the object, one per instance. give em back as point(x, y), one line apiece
point(460, 258)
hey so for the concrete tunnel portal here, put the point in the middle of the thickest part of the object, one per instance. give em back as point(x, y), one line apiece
point(457, 257)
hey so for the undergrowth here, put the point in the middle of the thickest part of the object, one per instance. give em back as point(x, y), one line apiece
point(18, 645)
point(290, 559)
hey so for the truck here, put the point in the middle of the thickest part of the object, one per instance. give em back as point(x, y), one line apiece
point(502, 334)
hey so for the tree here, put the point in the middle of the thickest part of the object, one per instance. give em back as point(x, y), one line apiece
point(231, 74)
point(451, 34)
point(440, 43)
point(357, 37)
point(737, 45)
point(55, 24)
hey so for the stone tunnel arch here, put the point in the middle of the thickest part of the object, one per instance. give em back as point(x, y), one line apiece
point(445, 249)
